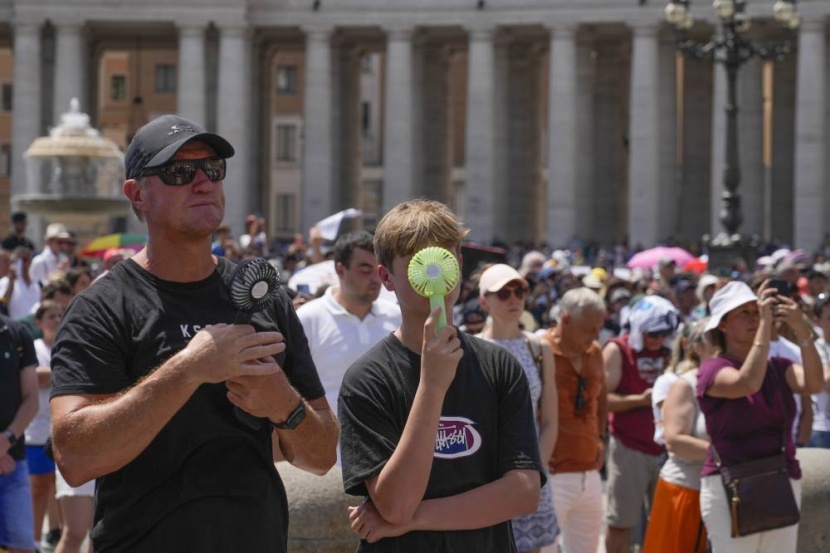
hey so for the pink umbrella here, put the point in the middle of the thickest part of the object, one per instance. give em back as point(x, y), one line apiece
point(648, 259)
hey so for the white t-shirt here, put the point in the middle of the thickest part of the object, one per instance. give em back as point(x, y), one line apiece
point(821, 400)
point(43, 265)
point(24, 296)
point(659, 392)
point(786, 349)
point(38, 430)
point(337, 338)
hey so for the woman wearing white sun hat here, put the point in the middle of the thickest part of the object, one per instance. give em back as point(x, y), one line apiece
point(747, 401)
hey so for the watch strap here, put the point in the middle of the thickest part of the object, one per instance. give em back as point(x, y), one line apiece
point(294, 419)
point(9, 434)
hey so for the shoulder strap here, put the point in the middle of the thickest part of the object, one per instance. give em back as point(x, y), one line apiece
point(534, 345)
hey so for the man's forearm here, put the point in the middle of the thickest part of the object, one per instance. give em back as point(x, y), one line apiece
point(618, 403)
point(312, 446)
point(24, 415)
point(97, 436)
point(514, 494)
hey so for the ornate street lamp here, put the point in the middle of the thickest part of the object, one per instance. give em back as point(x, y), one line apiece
point(731, 48)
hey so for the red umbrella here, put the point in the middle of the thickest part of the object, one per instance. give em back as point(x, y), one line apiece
point(648, 259)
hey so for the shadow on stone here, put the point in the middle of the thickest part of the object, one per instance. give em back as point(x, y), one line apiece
point(814, 531)
point(318, 520)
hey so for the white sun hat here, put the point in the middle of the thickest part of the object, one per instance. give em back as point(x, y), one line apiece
point(731, 296)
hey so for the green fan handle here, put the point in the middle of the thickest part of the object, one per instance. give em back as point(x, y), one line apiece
point(437, 300)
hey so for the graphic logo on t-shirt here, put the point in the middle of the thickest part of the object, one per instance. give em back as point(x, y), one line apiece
point(457, 437)
point(650, 368)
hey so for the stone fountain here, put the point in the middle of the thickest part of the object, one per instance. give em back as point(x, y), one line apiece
point(73, 172)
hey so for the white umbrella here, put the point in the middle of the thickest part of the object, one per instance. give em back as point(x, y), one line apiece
point(323, 273)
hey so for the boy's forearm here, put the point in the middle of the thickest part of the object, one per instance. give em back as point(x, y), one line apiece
point(514, 494)
point(399, 488)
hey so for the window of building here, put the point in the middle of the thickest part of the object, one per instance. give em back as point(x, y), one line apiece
point(118, 88)
point(6, 99)
point(5, 160)
point(286, 143)
point(365, 116)
point(372, 200)
point(285, 212)
point(287, 79)
point(165, 78)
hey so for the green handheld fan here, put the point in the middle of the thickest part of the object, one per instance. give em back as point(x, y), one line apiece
point(433, 272)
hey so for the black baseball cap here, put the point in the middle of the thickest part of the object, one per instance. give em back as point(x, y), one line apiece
point(157, 142)
point(18, 216)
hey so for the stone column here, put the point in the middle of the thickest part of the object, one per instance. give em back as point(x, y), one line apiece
point(480, 155)
point(810, 142)
point(233, 122)
point(70, 70)
point(318, 183)
point(751, 146)
point(26, 98)
point(398, 135)
point(644, 138)
point(563, 212)
point(191, 90)
point(718, 147)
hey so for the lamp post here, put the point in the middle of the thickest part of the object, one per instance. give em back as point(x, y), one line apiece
point(731, 48)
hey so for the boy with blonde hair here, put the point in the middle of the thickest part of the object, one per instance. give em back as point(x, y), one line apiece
point(437, 428)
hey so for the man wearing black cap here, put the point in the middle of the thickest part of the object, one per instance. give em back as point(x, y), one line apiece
point(18, 235)
point(147, 373)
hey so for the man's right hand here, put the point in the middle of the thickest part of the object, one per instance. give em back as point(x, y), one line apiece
point(645, 397)
point(440, 354)
point(221, 352)
point(7, 464)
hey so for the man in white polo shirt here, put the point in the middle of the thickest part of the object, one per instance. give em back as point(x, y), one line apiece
point(349, 318)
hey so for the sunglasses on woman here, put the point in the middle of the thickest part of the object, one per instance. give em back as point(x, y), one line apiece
point(579, 402)
point(182, 171)
point(518, 291)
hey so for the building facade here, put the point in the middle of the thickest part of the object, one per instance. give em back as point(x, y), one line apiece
point(542, 120)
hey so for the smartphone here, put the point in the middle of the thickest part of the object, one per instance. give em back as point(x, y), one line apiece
point(782, 287)
point(18, 268)
point(304, 289)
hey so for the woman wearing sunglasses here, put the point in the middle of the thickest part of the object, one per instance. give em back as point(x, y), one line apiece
point(502, 292)
point(748, 403)
point(675, 523)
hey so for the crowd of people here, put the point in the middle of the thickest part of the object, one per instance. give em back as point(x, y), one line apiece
point(493, 433)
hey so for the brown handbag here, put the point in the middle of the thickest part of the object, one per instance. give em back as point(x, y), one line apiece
point(759, 493)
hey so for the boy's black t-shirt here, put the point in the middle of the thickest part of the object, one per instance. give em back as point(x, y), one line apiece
point(487, 428)
point(207, 482)
point(17, 351)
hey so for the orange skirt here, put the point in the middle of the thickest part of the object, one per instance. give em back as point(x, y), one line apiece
point(674, 523)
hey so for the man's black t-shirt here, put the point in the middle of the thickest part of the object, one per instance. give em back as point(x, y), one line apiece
point(207, 482)
point(12, 241)
point(487, 429)
point(17, 351)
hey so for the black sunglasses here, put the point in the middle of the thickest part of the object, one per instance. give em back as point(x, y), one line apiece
point(182, 171)
point(504, 294)
point(580, 402)
point(661, 334)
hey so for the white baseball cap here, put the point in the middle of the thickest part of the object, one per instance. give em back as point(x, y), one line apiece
point(497, 277)
point(731, 296)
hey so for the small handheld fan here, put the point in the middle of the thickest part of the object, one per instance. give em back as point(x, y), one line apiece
point(252, 286)
point(433, 273)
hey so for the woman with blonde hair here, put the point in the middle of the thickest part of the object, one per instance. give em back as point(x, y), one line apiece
point(749, 408)
point(502, 292)
point(675, 523)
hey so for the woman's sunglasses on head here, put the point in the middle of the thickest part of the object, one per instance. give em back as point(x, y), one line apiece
point(182, 171)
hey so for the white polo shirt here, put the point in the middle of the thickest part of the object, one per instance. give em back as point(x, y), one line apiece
point(337, 338)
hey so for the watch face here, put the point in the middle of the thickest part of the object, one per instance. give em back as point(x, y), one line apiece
point(294, 419)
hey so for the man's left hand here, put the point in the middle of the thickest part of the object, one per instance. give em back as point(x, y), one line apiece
point(370, 526)
point(7, 464)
